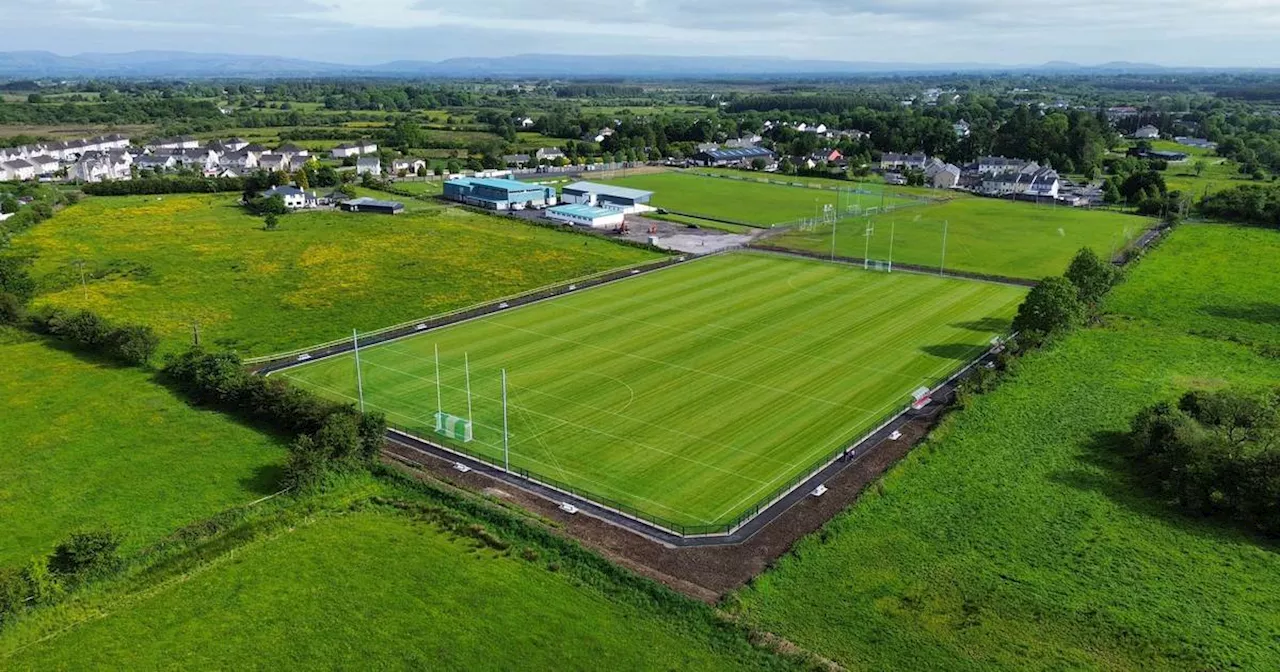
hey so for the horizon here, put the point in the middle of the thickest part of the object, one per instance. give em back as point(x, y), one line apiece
point(1189, 34)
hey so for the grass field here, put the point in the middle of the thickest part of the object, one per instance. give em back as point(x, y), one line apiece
point(1236, 294)
point(1018, 538)
point(983, 235)
point(690, 393)
point(742, 201)
point(87, 445)
point(372, 590)
point(871, 183)
point(174, 260)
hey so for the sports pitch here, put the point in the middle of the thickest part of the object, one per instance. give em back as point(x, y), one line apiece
point(689, 393)
point(748, 201)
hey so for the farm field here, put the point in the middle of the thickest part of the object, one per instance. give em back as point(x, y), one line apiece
point(742, 202)
point(173, 261)
point(983, 235)
point(375, 590)
point(1018, 538)
point(1236, 294)
point(87, 444)
point(691, 393)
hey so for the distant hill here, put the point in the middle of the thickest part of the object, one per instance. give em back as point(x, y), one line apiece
point(176, 64)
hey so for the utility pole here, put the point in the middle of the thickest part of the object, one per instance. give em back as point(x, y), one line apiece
point(84, 284)
point(195, 332)
point(355, 343)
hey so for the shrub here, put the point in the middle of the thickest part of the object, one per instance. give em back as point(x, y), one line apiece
point(86, 554)
point(14, 278)
point(12, 309)
point(129, 344)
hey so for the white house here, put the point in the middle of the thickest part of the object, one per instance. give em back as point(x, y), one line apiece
point(409, 165)
point(240, 161)
point(180, 142)
point(369, 164)
point(944, 176)
point(155, 162)
point(961, 128)
point(293, 197)
point(890, 161)
point(273, 162)
point(45, 164)
point(293, 152)
point(527, 122)
point(1146, 133)
point(100, 166)
point(999, 164)
point(548, 154)
point(20, 169)
point(354, 149)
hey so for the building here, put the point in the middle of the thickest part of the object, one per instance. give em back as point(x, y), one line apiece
point(274, 163)
point(1032, 181)
point(371, 205)
point(408, 165)
point(607, 196)
point(498, 193)
point(295, 153)
point(942, 175)
point(548, 154)
point(526, 122)
point(19, 169)
point(157, 163)
point(892, 161)
point(999, 164)
point(368, 164)
point(1200, 143)
point(961, 128)
point(735, 156)
point(180, 142)
point(293, 197)
point(1157, 154)
point(748, 140)
point(45, 164)
point(513, 160)
point(101, 166)
point(1146, 133)
point(586, 215)
point(354, 149)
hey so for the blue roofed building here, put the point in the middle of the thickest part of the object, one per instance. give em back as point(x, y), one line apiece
point(609, 196)
point(499, 194)
point(586, 215)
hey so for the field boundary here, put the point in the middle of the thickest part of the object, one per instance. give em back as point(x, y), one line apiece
point(909, 268)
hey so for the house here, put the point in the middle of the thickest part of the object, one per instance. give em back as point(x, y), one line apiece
point(370, 205)
point(599, 135)
point(407, 165)
point(892, 161)
point(369, 164)
point(1146, 133)
point(498, 193)
point(354, 149)
point(1121, 112)
point(708, 146)
point(999, 164)
point(45, 164)
point(180, 142)
point(1032, 181)
point(526, 122)
point(961, 128)
point(548, 154)
point(19, 169)
point(748, 140)
point(943, 175)
point(240, 161)
point(586, 215)
point(607, 196)
point(274, 163)
point(101, 166)
point(155, 162)
point(827, 156)
point(295, 153)
point(512, 160)
point(740, 156)
point(293, 197)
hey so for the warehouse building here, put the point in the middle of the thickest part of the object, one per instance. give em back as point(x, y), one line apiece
point(499, 194)
point(622, 199)
point(372, 205)
point(586, 215)
point(738, 156)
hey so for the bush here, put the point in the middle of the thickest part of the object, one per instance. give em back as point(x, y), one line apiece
point(1215, 453)
point(14, 278)
point(1091, 276)
point(12, 309)
point(1052, 306)
point(164, 185)
point(266, 206)
point(130, 344)
point(86, 554)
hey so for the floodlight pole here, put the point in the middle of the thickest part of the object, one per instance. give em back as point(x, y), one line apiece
point(834, 223)
point(466, 364)
point(866, 249)
point(506, 441)
point(943, 264)
point(439, 401)
point(893, 226)
point(355, 342)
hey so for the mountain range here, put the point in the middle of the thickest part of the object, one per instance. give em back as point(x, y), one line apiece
point(170, 64)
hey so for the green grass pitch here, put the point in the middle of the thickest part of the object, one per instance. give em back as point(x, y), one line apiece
point(983, 235)
point(692, 392)
point(749, 202)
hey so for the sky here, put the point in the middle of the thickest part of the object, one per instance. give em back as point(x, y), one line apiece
point(1008, 32)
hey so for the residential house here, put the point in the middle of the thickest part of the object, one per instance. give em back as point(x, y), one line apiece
point(20, 169)
point(748, 140)
point(45, 164)
point(369, 164)
point(999, 164)
point(548, 154)
point(526, 122)
point(407, 165)
point(180, 142)
point(1200, 143)
point(240, 161)
point(942, 175)
point(100, 166)
point(961, 128)
point(297, 155)
point(1146, 133)
point(155, 162)
point(707, 146)
point(892, 161)
point(361, 148)
point(274, 163)
point(293, 197)
point(513, 160)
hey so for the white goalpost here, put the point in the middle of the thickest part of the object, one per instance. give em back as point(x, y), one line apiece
point(447, 424)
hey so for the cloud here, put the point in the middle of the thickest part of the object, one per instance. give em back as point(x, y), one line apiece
point(1187, 32)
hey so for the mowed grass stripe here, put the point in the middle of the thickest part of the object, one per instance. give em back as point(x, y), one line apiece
point(690, 392)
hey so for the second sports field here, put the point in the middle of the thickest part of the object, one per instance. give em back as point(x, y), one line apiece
point(689, 393)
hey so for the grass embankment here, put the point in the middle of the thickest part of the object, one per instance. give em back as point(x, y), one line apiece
point(87, 444)
point(174, 261)
point(1017, 537)
point(982, 235)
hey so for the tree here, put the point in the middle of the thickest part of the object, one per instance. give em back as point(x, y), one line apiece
point(1091, 275)
point(1111, 195)
point(14, 278)
point(271, 222)
point(1200, 167)
point(8, 205)
point(1050, 307)
point(302, 180)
